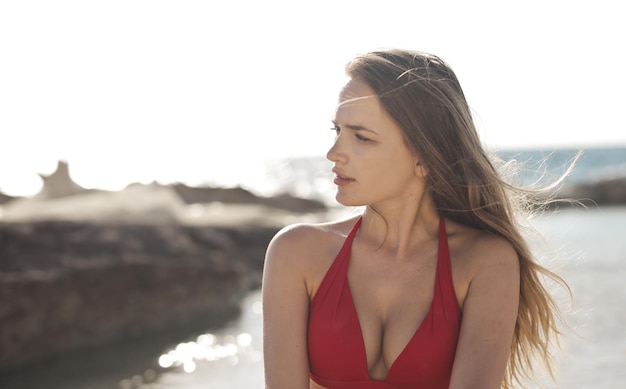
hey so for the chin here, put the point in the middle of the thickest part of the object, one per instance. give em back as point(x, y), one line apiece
point(347, 201)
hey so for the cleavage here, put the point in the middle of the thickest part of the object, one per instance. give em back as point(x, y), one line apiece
point(390, 307)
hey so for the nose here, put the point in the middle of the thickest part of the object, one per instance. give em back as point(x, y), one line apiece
point(335, 153)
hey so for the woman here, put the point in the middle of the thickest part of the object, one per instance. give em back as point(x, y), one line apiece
point(433, 285)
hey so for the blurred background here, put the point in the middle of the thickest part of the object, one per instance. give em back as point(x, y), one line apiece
point(150, 149)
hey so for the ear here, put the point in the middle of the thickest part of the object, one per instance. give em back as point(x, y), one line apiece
point(421, 170)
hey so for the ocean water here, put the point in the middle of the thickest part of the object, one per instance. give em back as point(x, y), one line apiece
point(591, 255)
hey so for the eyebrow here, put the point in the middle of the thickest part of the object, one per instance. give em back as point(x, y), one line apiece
point(356, 127)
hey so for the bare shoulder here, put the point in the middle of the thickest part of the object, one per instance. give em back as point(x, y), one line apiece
point(306, 250)
point(480, 248)
point(480, 256)
point(303, 236)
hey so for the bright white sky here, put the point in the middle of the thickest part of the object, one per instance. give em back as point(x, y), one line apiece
point(201, 90)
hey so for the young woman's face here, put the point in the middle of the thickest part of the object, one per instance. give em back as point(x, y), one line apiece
point(372, 162)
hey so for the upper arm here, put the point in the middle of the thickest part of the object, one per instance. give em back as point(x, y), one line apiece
point(489, 316)
point(285, 312)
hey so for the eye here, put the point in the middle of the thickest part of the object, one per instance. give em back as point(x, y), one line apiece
point(336, 129)
point(361, 137)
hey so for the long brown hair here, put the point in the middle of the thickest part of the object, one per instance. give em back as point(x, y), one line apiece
point(424, 97)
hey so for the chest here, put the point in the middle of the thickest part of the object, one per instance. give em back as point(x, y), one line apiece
point(384, 288)
point(391, 299)
point(382, 314)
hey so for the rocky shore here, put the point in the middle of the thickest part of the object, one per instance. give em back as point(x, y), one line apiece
point(66, 285)
point(83, 268)
point(607, 191)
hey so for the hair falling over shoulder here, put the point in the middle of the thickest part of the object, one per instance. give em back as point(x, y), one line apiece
point(423, 95)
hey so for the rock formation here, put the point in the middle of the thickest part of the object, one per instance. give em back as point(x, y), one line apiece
point(136, 204)
point(81, 268)
point(69, 285)
point(4, 198)
point(199, 195)
point(609, 191)
point(59, 183)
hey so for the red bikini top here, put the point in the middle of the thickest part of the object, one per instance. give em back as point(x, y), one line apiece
point(337, 355)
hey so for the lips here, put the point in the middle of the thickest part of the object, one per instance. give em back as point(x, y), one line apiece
point(341, 178)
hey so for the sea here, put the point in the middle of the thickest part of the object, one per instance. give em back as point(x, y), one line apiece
point(585, 245)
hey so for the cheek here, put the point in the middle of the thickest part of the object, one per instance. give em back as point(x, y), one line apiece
point(392, 171)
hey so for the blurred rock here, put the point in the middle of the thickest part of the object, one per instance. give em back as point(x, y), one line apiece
point(136, 204)
point(200, 195)
point(59, 183)
point(62, 199)
point(80, 267)
point(68, 285)
point(4, 198)
point(608, 191)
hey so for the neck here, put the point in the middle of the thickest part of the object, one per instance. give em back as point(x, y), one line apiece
point(400, 225)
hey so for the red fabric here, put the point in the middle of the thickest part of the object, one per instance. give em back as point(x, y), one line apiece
point(337, 355)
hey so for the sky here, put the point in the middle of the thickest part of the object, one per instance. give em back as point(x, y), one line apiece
point(201, 91)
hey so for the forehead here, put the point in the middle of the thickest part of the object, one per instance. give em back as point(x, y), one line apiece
point(359, 106)
point(356, 97)
point(354, 91)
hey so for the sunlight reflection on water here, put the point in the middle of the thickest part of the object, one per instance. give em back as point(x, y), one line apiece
point(209, 348)
point(228, 358)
